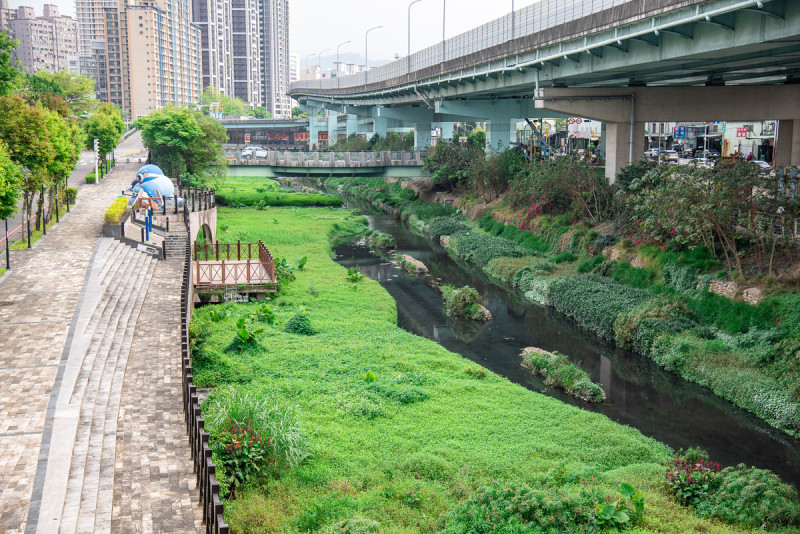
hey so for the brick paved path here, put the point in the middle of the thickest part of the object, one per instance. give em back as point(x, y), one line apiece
point(91, 424)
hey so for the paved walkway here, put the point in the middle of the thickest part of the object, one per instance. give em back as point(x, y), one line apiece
point(91, 422)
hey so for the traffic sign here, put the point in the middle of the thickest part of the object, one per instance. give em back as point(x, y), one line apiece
point(724, 126)
point(679, 132)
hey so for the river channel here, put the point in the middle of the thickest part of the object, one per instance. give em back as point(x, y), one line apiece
point(640, 394)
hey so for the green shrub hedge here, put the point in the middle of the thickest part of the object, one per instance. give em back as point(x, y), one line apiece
point(116, 211)
point(478, 249)
point(593, 301)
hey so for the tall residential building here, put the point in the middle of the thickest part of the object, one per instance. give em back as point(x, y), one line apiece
point(275, 14)
point(245, 50)
point(46, 43)
point(152, 56)
point(6, 15)
point(91, 23)
point(294, 68)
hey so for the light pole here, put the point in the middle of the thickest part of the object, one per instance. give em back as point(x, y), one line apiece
point(366, 50)
point(512, 20)
point(319, 63)
point(338, 64)
point(409, 33)
point(8, 253)
point(319, 59)
point(444, 13)
point(308, 56)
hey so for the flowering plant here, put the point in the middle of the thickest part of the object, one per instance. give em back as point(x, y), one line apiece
point(689, 477)
point(241, 452)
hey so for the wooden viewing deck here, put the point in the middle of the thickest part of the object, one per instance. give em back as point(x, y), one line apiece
point(248, 266)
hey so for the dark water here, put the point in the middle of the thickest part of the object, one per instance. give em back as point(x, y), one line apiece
point(640, 394)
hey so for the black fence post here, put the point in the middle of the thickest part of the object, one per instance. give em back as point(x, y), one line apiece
point(44, 215)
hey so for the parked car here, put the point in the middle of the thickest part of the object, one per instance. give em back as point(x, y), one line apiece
point(703, 163)
point(670, 155)
point(700, 153)
point(652, 153)
point(254, 152)
point(762, 165)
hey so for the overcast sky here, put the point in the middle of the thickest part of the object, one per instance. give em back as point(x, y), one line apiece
point(316, 25)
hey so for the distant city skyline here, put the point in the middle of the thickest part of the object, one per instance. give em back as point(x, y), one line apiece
point(317, 25)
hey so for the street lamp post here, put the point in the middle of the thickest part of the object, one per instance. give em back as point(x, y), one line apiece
point(512, 20)
point(8, 253)
point(366, 50)
point(338, 64)
point(27, 210)
point(409, 33)
point(44, 220)
point(444, 13)
point(319, 63)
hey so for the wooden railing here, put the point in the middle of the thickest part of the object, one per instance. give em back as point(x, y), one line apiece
point(247, 263)
point(204, 468)
point(226, 251)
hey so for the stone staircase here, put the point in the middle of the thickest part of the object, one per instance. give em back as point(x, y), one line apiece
point(85, 419)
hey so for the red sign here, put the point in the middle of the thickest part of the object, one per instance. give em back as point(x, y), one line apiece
point(741, 132)
point(575, 121)
point(302, 136)
point(274, 136)
point(322, 136)
point(247, 138)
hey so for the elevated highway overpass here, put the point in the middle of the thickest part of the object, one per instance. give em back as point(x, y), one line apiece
point(623, 62)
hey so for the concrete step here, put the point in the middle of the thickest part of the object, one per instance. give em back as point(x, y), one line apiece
point(99, 383)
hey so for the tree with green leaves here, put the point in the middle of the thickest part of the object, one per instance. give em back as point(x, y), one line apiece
point(105, 125)
point(181, 140)
point(39, 89)
point(67, 138)
point(10, 183)
point(78, 91)
point(24, 130)
point(297, 114)
point(259, 113)
point(9, 67)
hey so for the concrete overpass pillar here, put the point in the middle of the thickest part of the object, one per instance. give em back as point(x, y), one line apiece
point(601, 145)
point(351, 125)
point(313, 129)
point(447, 130)
point(422, 135)
point(618, 146)
point(498, 133)
point(333, 126)
point(787, 151)
point(379, 126)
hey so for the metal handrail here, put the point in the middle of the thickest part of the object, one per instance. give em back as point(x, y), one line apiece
point(205, 470)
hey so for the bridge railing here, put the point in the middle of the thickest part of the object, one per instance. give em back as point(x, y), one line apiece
point(329, 159)
point(527, 21)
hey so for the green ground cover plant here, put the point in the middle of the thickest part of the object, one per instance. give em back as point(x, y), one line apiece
point(381, 241)
point(423, 423)
point(463, 302)
point(262, 192)
point(558, 371)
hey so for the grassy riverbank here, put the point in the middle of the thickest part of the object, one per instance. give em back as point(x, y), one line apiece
point(399, 453)
point(261, 192)
point(660, 308)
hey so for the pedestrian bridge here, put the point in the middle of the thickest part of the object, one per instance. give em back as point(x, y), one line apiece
point(389, 163)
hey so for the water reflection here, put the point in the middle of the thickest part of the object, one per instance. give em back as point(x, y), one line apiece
point(640, 394)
